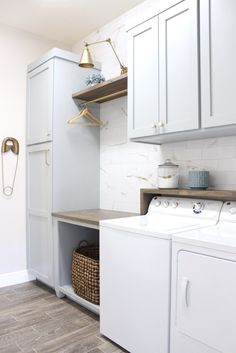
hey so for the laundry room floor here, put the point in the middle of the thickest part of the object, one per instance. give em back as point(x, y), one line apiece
point(33, 319)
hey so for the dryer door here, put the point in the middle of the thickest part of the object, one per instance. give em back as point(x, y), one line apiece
point(206, 300)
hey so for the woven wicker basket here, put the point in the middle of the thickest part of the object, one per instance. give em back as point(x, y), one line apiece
point(85, 272)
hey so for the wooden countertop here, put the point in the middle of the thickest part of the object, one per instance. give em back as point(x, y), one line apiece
point(91, 216)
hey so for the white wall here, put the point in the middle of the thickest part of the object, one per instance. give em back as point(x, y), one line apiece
point(127, 166)
point(17, 49)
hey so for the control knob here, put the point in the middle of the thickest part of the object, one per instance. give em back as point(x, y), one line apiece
point(198, 207)
point(166, 203)
point(232, 210)
point(174, 204)
point(157, 203)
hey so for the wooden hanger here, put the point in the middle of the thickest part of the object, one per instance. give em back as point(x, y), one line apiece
point(84, 112)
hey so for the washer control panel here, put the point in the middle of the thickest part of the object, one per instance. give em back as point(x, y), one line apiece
point(228, 213)
point(181, 206)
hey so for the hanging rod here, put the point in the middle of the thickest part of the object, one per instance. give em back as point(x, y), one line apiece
point(105, 97)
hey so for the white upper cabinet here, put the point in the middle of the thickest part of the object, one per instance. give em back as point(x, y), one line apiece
point(164, 72)
point(40, 104)
point(218, 62)
point(178, 67)
point(143, 79)
point(182, 71)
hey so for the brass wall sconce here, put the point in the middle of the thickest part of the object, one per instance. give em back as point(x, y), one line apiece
point(87, 61)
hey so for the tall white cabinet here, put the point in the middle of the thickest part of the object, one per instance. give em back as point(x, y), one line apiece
point(62, 160)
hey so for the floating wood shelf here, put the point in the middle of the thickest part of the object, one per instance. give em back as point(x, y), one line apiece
point(114, 88)
point(146, 195)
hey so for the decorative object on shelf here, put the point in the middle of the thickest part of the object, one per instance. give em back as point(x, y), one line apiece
point(168, 175)
point(198, 179)
point(9, 144)
point(85, 272)
point(105, 91)
point(92, 120)
point(94, 79)
point(86, 60)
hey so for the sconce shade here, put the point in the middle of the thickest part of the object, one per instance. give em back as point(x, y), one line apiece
point(86, 58)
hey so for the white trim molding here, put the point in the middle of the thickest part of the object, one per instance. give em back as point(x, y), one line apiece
point(11, 278)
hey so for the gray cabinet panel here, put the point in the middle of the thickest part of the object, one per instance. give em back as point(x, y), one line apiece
point(143, 79)
point(40, 104)
point(179, 76)
point(218, 57)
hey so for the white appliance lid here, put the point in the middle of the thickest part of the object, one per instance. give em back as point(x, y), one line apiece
point(168, 215)
point(162, 226)
point(219, 237)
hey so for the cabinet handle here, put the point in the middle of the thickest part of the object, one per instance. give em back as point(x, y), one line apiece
point(185, 290)
point(46, 158)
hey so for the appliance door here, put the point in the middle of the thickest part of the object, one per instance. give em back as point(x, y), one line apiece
point(206, 305)
point(135, 290)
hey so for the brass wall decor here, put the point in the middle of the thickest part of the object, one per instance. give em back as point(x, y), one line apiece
point(86, 60)
point(9, 144)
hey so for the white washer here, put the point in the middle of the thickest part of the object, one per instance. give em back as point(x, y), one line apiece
point(204, 288)
point(135, 270)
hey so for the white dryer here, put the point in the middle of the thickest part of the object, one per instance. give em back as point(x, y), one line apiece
point(203, 314)
point(135, 270)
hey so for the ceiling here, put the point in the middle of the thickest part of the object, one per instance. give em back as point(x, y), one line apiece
point(66, 21)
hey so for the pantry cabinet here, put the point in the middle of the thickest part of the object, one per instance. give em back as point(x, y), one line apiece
point(62, 159)
point(218, 57)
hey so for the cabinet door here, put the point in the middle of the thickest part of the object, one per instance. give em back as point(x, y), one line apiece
point(40, 104)
point(39, 223)
point(179, 74)
point(218, 58)
point(206, 307)
point(143, 79)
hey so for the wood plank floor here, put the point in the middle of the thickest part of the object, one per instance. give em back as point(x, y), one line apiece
point(34, 320)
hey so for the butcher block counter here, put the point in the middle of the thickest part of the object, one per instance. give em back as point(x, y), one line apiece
point(91, 216)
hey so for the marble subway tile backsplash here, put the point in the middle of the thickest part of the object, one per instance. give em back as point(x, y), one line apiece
point(216, 155)
point(128, 166)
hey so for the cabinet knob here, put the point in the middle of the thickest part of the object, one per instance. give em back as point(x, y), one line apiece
point(160, 124)
point(154, 126)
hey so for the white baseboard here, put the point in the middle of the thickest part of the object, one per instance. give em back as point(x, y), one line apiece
point(11, 278)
